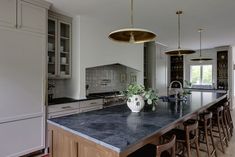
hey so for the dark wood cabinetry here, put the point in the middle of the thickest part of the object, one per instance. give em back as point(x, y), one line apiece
point(222, 70)
point(177, 69)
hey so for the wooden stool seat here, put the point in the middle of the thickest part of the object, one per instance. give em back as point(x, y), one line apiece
point(151, 150)
point(180, 135)
point(148, 150)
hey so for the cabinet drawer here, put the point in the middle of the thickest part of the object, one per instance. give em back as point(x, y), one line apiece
point(63, 107)
point(63, 113)
point(93, 108)
point(90, 103)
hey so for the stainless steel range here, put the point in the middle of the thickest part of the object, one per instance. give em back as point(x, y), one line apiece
point(110, 98)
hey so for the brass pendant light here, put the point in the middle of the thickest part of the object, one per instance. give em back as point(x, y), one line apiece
point(201, 59)
point(132, 35)
point(179, 51)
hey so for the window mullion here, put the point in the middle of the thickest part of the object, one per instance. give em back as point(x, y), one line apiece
point(201, 73)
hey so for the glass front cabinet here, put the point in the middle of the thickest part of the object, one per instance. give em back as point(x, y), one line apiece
point(59, 46)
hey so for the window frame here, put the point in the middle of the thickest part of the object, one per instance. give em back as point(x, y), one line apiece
point(201, 74)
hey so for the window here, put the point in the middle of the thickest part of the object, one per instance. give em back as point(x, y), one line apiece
point(201, 74)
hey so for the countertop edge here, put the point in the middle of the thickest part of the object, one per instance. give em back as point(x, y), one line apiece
point(86, 137)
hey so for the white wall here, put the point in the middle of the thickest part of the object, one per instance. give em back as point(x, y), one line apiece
point(92, 47)
point(209, 53)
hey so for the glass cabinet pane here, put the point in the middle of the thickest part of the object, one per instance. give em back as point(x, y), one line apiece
point(52, 48)
point(65, 50)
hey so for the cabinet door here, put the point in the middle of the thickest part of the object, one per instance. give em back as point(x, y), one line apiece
point(22, 137)
point(8, 13)
point(31, 17)
point(22, 74)
point(64, 49)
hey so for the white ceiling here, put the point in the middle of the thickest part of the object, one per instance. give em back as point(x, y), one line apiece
point(217, 17)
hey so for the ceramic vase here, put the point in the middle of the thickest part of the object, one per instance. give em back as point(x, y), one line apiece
point(135, 103)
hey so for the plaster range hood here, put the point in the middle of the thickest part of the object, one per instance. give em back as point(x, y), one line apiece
point(110, 78)
point(114, 65)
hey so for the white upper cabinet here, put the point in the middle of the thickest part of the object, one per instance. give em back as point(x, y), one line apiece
point(59, 46)
point(30, 17)
point(8, 13)
point(27, 15)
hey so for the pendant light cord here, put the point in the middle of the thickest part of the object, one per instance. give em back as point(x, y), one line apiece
point(132, 19)
point(178, 29)
point(200, 31)
point(200, 51)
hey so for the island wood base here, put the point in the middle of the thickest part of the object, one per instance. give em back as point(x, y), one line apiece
point(66, 144)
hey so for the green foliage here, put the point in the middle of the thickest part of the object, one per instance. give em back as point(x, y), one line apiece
point(133, 89)
point(188, 83)
point(150, 96)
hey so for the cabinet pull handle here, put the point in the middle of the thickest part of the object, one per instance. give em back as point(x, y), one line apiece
point(93, 103)
point(66, 107)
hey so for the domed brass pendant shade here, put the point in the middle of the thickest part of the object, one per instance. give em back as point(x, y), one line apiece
point(201, 59)
point(179, 51)
point(132, 35)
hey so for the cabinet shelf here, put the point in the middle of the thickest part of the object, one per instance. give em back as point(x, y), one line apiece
point(65, 64)
point(64, 52)
point(222, 69)
point(65, 38)
point(177, 68)
point(51, 35)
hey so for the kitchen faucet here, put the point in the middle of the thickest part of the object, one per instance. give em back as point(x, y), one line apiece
point(176, 91)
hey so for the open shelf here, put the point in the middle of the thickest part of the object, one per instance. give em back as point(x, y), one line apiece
point(177, 68)
point(222, 70)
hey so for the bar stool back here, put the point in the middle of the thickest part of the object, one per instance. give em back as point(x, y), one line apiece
point(230, 116)
point(192, 137)
point(228, 120)
point(205, 129)
point(219, 123)
point(161, 149)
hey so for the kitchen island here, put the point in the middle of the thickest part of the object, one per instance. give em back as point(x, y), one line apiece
point(116, 132)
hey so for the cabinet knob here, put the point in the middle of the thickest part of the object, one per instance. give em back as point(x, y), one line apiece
point(66, 107)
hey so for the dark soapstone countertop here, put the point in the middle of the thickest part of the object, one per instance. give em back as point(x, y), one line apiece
point(118, 128)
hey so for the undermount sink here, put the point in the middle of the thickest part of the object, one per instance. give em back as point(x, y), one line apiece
point(170, 98)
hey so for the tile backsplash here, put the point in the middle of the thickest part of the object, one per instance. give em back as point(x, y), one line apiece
point(58, 88)
point(108, 78)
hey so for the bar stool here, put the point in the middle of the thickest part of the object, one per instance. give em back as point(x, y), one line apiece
point(205, 129)
point(228, 120)
point(219, 127)
point(230, 116)
point(187, 137)
point(151, 150)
